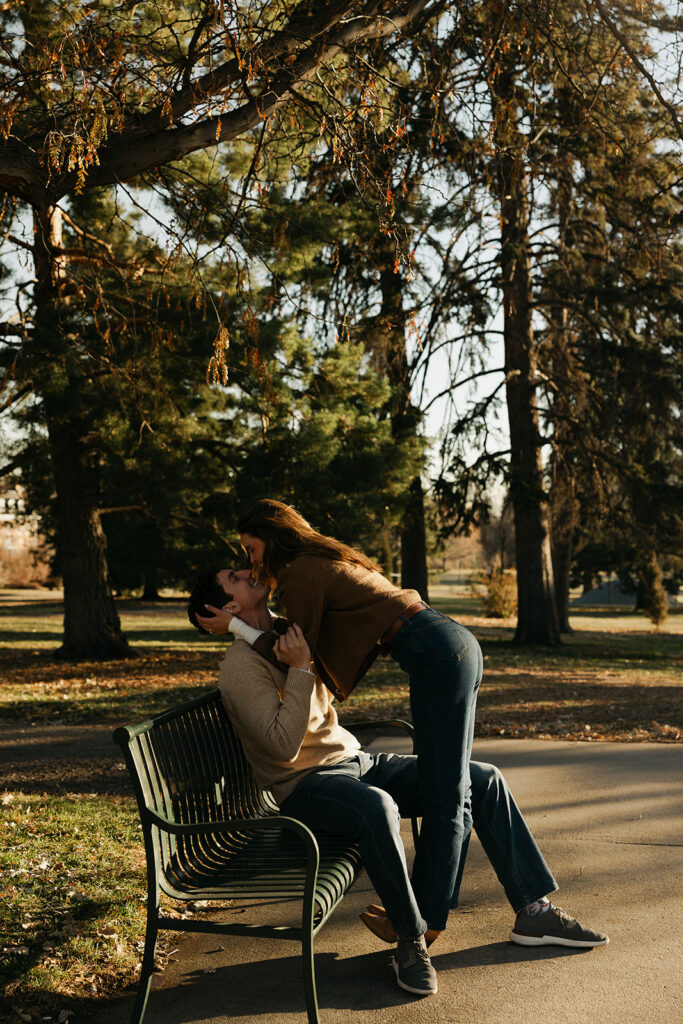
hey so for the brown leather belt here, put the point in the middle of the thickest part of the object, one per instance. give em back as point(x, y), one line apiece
point(387, 638)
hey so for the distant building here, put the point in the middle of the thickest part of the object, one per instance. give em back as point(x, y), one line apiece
point(23, 556)
point(458, 555)
point(610, 593)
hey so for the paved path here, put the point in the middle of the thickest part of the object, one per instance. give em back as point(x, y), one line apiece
point(609, 820)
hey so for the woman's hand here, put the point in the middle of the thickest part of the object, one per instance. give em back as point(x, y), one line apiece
point(293, 649)
point(218, 622)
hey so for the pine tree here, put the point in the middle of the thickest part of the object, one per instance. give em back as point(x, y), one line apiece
point(94, 97)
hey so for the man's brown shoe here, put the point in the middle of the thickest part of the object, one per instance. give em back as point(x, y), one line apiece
point(381, 926)
point(375, 918)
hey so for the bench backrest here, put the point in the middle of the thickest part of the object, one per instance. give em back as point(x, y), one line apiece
point(188, 765)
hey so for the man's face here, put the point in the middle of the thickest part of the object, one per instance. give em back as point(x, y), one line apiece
point(246, 592)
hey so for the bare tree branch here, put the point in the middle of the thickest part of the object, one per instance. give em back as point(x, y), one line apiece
point(623, 39)
point(9, 330)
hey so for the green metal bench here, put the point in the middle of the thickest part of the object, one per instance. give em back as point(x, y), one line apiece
point(211, 833)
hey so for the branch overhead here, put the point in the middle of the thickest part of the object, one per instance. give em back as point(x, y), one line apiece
point(93, 135)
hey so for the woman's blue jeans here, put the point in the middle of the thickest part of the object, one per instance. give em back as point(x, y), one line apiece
point(444, 664)
point(365, 797)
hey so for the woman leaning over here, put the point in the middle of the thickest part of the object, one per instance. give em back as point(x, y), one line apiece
point(349, 613)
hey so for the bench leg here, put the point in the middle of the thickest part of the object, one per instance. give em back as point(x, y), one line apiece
point(146, 971)
point(307, 957)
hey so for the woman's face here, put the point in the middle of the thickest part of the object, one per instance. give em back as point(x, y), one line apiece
point(254, 548)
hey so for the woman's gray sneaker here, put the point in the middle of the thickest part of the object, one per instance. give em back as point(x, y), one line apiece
point(413, 968)
point(554, 927)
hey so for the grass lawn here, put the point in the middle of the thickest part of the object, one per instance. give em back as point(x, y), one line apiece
point(66, 930)
point(71, 865)
point(72, 915)
point(613, 678)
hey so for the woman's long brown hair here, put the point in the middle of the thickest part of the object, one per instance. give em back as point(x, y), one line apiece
point(287, 534)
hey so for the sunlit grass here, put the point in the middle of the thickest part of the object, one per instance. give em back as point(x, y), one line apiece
point(69, 933)
point(39, 625)
point(36, 687)
point(73, 902)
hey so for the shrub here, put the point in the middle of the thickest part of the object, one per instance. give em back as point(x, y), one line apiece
point(497, 590)
point(655, 597)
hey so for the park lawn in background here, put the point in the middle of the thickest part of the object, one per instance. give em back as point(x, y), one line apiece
point(614, 678)
point(37, 625)
point(38, 688)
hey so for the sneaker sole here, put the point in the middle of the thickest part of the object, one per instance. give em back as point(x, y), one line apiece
point(551, 940)
point(408, 988)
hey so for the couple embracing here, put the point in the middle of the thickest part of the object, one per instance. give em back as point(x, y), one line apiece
point(341, 614)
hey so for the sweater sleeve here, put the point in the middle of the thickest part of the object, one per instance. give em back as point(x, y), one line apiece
point(262, 642)
point(277, 725)
point(304, 600)
point(240, 628)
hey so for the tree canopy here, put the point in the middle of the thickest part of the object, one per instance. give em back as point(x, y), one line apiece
point(324, 201)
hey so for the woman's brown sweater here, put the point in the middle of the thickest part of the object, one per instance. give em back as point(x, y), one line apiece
point(343, 610)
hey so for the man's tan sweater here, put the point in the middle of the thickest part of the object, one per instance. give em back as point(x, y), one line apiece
point(286, 722)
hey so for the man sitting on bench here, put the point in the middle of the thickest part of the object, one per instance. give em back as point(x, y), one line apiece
point(315, 769)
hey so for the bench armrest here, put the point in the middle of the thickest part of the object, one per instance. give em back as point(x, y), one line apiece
point(370, 724)
point(234, 825)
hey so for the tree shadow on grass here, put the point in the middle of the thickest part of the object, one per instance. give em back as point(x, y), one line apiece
point(17, 965)
point(93, 775)
point(108, 708)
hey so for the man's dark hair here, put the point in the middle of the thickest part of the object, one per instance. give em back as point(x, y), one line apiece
point(207, 590)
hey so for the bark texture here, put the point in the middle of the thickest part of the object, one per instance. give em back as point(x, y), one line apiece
point(537, 617)
point(405, 420)
point(91, 624)
point(414, 573)
point(569, 399)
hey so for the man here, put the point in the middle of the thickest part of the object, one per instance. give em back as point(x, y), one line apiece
point(286, 721)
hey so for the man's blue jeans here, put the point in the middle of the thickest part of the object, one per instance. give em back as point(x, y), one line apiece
point(444, 664)
point(365, 796)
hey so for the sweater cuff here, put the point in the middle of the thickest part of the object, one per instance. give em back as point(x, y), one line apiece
point(300, 679)
point(241, 629)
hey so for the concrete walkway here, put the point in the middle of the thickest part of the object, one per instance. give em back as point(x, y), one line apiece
point(609, 820)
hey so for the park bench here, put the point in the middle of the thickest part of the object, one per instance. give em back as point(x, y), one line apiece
point(211, 833)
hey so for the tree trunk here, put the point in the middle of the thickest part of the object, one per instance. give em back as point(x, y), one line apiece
point(537, 617)
point(565, 518)
point(150, 591)
point(568, 395)
point(388, 553)
point(640, 596)
point(389, 346)
point(414, 574)
point(562, 559)
point(91, 623)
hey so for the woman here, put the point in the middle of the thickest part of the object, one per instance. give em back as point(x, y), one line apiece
point(349, 612)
